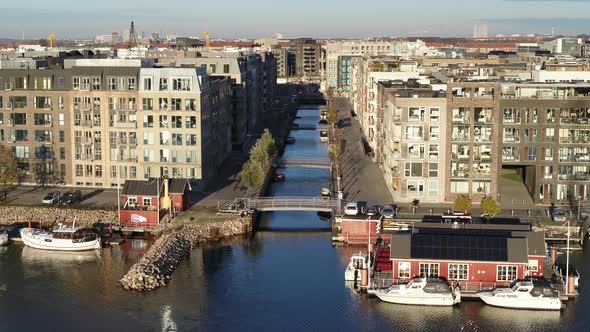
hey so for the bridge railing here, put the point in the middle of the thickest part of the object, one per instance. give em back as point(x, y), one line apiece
point(283, 202)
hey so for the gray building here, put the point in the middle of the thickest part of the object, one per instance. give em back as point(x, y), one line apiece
point(308, 56)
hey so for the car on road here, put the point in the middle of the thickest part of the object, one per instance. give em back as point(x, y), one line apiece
point(388, 212)
point(351, 209)
point(51, 198)
point(371, 211)
point(559, 214)
point(276, 177)
point(70, 198)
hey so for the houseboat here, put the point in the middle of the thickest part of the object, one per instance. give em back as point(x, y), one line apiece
point(524, 295)
point(357, 263)
point(420, 291)
point(61, 238)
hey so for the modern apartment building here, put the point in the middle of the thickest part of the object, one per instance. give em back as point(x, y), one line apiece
point(545, 134)
point(308, 55)
point(414, 144)
point(98, 122)
point(472, 152)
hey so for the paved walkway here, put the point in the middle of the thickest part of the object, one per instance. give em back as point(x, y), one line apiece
point(362, 180)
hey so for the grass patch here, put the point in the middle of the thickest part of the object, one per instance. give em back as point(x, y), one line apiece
point(512, 177)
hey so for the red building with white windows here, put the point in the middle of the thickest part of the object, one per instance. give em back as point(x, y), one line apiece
point(474, 255)
point(146, 203)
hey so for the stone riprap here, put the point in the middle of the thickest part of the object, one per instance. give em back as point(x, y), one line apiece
point(155, 268)
point(49, 216)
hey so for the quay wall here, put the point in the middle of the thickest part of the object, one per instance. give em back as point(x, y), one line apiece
point(49, 216)
point(155, 268)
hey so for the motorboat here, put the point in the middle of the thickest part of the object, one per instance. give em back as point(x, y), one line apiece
point(560, 271)
point(357, 263)
point(323, 135)
point(420, 291)
point(325, 193)
point(4, 238)
point(290, 140)
point(327, 216)
point(524, 295)
point(61, 238)
point(276, 177)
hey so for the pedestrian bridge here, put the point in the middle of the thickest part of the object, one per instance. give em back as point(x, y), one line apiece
point(305, 162)
point(281, 204)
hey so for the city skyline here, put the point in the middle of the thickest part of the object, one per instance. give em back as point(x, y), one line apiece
point(263, 18)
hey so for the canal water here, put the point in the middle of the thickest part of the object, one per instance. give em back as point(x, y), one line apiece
point(288, 277)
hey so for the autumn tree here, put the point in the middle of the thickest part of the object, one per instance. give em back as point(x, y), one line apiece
point(462, 203)
point(489, 207)
point(8, 170)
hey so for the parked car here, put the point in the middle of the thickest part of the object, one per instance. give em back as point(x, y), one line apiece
point(51, 198)
point(351, 209)
point(388, 211)
point(362, 207)
point(276, 177)
point(559, 214)
point(70, 198)
point(371, 211)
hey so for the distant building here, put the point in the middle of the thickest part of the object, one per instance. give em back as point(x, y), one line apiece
point(480, 31)
point(564, 45)
point(308, 55)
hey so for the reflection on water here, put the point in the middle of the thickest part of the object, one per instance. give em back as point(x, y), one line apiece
point(168, 324)
point(35, 256)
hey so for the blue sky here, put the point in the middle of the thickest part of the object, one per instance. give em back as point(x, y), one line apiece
point(292, 18)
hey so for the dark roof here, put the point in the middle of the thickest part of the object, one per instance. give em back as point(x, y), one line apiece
point(142, 188)
point(460, 245)
point(177, 186)
point(536, 242)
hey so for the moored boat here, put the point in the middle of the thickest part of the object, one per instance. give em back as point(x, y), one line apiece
point(357, 263)
point(524, 295)
point(420, 291)
point(61, 238)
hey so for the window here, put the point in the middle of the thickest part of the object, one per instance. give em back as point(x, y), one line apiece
point(434, 114)
point(416, 114)
point(458, 272)
point(131, 201)
point(459, 187)
point(98, 171)
point(549, 134)
point(147, 201)
point(533, 265)
point(414, 132)
point(112, 83)
point(79, 170)
point(147, 83)
point(181, 84)
point(511, 115)
point(432, 188)
point(416, 151)
point(163, 84)
point(226, 68)
point(506, 272)
point(433, 151)
point(403, 270)
point(415, 188)
point(96, 83)
point(429, 270)
point(413, 169)
point(432, 170)
point(148, 104)
point(76, 83)
point(61, 119)
point(532, 153)
point(131, 83)
point(434, 133)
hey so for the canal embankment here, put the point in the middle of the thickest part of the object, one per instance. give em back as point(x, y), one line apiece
point(49, 216)
point(155, 268)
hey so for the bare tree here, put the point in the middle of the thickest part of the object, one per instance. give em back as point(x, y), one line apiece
point(8, 170)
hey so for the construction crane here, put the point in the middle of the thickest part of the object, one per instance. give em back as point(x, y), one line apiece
point(51, 38)
point(133, 40)
point(207, 40)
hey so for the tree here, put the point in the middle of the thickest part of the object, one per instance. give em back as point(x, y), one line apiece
point(8, 170)
point(332, 115)
point(47, 170)
point(489, 207)
point(462, 203)
point(268, 142)
point(251, 175)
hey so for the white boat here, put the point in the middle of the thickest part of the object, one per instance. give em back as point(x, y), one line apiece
point(420, 291)
point(357, 263)
point(61, 238)
point(524, 295)
point(4, 238)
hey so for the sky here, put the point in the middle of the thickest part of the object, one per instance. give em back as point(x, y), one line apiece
point(293, 18)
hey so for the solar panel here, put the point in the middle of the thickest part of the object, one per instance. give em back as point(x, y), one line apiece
point(459, 247)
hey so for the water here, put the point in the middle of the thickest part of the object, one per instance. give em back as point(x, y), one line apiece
point(287, 278)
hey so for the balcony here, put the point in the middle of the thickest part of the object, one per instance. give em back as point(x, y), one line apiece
point(126, 125)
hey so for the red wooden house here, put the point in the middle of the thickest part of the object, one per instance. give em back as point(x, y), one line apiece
point(145, 203)
point(474, 255)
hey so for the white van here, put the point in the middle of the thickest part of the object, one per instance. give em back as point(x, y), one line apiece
point(351, 209)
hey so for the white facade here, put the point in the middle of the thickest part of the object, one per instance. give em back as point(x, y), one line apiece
point(544, 76)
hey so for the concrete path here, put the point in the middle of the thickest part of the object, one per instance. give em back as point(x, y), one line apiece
point(362, 180)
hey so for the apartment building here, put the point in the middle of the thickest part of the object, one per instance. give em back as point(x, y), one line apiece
point(472, 152)
point(414, 144)
point(99, 122)
point(308, 55)
point(544, 132)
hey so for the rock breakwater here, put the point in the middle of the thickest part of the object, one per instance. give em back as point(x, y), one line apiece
point(155, 268)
